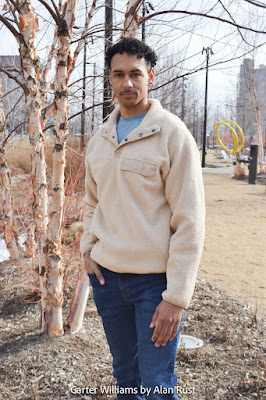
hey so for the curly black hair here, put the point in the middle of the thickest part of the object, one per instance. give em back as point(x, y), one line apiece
point(133, 47)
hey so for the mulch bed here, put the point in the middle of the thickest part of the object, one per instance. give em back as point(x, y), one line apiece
point(230, 365)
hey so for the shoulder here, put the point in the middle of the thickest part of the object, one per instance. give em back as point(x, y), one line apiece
point(175, 129)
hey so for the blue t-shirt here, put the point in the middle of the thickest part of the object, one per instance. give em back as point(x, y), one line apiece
point(127, 125)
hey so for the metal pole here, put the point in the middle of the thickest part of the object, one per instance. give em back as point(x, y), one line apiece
point(143, 33)
point(107, 91)
point(208, 50)
point(253, 162)
point(194, 120)
point(197, 122)
point(183, 99)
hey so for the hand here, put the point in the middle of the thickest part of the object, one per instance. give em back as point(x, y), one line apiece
point(93, 268)
point(165, 320)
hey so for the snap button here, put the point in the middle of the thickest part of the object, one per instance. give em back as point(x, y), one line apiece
point(141, 134)
point(153, 130)
point(113, 137)
point(126, 139)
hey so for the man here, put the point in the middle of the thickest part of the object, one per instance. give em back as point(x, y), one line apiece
point(143, 226)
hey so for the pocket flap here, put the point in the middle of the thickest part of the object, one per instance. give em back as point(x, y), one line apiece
point(141, 167)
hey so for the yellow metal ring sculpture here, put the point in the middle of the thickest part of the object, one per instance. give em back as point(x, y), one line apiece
point(236, 147)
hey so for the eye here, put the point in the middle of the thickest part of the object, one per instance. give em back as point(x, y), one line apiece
point(118, 75)
point(136, 74)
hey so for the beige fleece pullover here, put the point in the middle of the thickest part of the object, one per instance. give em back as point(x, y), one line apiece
point(144, 203)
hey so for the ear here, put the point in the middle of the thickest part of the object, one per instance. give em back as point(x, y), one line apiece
point(110, 77)
point(151, 76)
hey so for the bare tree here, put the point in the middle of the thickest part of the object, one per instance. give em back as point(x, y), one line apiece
point(48, 240)
point(9, 221)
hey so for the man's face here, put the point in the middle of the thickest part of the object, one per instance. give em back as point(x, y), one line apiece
point(130, 79)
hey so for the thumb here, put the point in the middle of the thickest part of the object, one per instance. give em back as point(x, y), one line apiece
point(154, 319)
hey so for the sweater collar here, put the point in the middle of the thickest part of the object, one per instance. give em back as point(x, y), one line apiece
point(150, 124)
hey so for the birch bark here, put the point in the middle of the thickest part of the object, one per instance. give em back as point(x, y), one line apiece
point(9, 222)
point(54, 256)
point(256, 109)
point(79, 301)
point(131, 19)
point(28, 25)
point(82, 288)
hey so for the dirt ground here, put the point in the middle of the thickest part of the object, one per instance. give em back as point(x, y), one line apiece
point(226, 312)
point(234, 256)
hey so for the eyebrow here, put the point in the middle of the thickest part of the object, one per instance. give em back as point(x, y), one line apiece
point(132, 70)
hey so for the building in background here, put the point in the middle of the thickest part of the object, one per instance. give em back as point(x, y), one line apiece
point(251, 95)
point(13, 100)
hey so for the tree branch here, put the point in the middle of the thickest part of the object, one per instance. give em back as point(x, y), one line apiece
point(16, 127)
point(240, 33)
point(15, 105)
point(141, 21)
point(94, 32)
point(10, 91)
point(24, 87)
point(202, 68)
point(83, 41)
point(56, 9)
point(80, 112)
point(256, 3)
point(13, 10)
point(13, 3)
point(57, 17)
point(13, 30)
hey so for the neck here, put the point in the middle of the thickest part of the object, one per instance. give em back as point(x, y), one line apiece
point(138, 109)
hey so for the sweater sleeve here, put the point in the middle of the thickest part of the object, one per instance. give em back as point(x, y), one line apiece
point(90, 202)
point(185, 194)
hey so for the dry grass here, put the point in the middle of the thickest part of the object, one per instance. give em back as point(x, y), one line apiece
point(19, 162)
point(19, 154)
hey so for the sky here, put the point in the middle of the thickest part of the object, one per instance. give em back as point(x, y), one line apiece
point(180, 37)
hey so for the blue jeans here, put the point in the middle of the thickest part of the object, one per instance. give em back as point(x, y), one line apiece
point(126, 304)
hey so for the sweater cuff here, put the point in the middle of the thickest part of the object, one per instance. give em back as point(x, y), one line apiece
point(175, 300)
point(84, 251)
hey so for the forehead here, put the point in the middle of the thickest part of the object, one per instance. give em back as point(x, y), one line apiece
point(127, 62)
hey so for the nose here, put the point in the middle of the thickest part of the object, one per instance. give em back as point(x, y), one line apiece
point(127, 84)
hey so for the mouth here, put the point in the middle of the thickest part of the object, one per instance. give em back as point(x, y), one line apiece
point(128, 94)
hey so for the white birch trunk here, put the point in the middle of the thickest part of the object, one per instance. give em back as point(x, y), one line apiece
point(54, 256)
point(81, 294)
point(259, 131)
point(79, 302)
point(131, 19)
point(251, 85)
point(9, 222)
point(28, 25)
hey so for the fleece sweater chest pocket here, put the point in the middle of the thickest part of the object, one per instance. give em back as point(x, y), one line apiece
point(138, 166)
